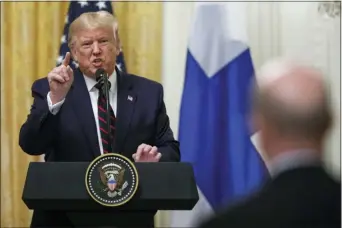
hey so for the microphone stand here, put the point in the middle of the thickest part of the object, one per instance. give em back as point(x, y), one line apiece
point(106, 90)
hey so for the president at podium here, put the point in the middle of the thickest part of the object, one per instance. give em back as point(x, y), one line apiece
point(68, 118)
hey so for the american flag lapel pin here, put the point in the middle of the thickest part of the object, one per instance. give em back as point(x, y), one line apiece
point(130, 98)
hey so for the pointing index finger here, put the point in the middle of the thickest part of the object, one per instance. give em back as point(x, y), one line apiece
point(66, 60)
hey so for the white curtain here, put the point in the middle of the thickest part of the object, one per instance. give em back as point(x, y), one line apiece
point(275, 29)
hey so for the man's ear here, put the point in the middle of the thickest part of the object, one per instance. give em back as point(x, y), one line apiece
point(117, 39)
point(256, 121)
point(73, 53)
point(117, 45)
point(117, 50)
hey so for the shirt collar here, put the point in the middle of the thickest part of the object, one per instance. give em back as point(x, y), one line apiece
point(91, 82)
point(291, 160)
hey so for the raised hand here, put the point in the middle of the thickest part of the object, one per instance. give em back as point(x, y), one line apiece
point(147, 153)
point(60, 80)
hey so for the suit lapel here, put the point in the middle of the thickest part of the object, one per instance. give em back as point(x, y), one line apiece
point(82, 106)
point(125, 109)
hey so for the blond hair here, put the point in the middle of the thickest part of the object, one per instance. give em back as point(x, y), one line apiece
point(92, 20)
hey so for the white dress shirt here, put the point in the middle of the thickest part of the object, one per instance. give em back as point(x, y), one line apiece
point(94, 94)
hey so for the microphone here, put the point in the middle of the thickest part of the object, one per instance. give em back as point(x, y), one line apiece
point(102, 78)
point(100, 75)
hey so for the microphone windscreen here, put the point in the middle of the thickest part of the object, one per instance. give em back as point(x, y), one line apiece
point(100, 73)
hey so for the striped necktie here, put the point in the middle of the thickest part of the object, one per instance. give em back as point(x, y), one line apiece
point(107, 141)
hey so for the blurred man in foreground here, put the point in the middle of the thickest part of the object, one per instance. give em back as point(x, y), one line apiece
point(293, 114)
point(67, 118)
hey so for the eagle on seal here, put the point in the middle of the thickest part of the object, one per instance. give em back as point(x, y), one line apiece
point(112, 180)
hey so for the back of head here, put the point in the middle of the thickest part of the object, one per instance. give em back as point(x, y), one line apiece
point(291, 102)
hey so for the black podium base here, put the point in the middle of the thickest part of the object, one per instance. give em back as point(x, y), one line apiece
point(138, 219)
point(93, 219)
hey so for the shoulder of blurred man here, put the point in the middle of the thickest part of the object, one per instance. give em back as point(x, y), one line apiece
point(308, 195)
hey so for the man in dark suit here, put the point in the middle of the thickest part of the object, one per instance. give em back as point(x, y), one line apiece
point(66, 118)
point(293, 114)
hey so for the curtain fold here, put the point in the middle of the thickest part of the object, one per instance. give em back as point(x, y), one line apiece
point(140, 26)
point(30, 40)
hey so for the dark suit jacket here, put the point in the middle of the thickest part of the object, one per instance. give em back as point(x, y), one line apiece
point(302, 197)
point(71, 134)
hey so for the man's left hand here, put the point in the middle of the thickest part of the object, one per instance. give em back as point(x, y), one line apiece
point(147, 153)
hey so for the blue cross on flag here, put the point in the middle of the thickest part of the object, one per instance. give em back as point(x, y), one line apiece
point(76, 8)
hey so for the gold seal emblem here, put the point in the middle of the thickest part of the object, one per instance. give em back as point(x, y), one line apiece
point(111, 180)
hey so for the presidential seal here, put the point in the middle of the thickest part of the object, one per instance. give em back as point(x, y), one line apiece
point(111, 180)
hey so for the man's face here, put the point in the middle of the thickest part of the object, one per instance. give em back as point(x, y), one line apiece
point(94, 49)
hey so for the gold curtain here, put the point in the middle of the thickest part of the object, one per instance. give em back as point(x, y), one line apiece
point(140, 26)
point(31, 33)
